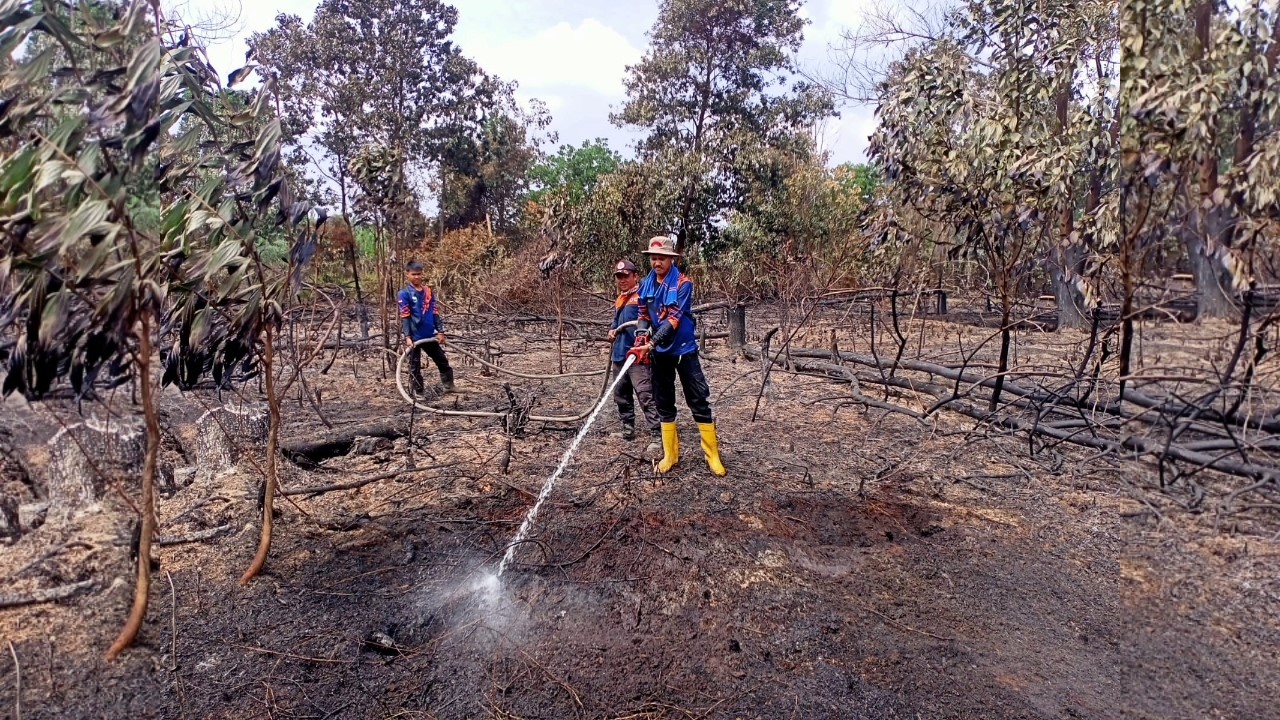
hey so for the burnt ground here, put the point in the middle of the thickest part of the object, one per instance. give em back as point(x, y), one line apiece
point(852, 565)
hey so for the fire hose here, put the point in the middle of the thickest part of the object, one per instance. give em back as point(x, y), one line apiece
point(526, 376)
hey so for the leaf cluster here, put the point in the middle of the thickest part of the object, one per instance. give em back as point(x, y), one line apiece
point(126, 202)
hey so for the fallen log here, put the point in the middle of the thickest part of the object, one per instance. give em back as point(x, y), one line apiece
point(840, 372)
point(338, 441)
point(1141, 446)
point(718, 305)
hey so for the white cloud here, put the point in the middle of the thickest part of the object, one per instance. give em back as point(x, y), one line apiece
point(588, 55)
point(847, 13)
point(845, 137)
point(571, 54)
point(553, 101)
point(828, 23)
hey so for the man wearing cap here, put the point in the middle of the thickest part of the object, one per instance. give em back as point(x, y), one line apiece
point(626, 309)
point(666, 307)
point(420, 319)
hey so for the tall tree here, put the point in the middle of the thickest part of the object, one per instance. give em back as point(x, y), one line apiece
point(801, 214)
point(374, 79)
point(716, 84)
point(92, 280)
point(374, 72)
point(979, 131)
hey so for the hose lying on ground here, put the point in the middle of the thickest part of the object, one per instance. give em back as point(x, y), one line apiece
point(486, 413)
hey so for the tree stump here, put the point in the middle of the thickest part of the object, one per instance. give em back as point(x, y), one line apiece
point(89, 458)
point(10, 527)
point(225, 434)
point(15, 488)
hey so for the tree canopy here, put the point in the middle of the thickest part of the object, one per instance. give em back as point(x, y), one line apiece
point(715, 89)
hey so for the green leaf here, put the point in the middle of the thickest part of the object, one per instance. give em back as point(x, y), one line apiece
point(18, 172)
point(110, 38)
point(92, 261)
point(199, 327)
point(15, 35)
point(90, 217)
point(52, 317)
point(35, 70)
point(143, 65)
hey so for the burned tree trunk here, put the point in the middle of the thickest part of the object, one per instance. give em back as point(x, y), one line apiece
point(1214, 282)
point(738, 326)
point(1073, 305)
point(1066, 260)
point(90, 459)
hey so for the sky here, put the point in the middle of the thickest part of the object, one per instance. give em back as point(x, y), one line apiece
point(571, 54)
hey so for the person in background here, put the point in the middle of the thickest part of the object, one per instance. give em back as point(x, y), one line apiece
point(626, 309)
point(420, 319)
point(666, 307)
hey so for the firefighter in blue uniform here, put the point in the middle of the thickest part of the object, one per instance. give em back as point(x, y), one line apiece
point(625, 310)
point(665, 338)
point(420, 319)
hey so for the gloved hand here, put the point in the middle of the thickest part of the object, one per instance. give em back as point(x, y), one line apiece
point(663, 334)
point(641, 348)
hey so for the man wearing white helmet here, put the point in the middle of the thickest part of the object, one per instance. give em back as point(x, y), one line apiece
point(666, 308)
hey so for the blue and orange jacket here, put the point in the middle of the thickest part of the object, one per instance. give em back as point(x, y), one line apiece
point(669, 302)
point(419, 317)
point(625, 309)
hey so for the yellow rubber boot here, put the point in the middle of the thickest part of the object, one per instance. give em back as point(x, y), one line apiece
point(711, 448)
point(670, 447)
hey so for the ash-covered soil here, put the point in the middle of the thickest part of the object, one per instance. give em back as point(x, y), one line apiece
point(851, 565)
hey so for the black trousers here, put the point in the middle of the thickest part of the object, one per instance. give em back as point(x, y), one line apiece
point(639, 379)
point(436, 353)
point(697, 394)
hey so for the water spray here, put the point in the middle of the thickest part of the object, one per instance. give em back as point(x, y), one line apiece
point(564, 463)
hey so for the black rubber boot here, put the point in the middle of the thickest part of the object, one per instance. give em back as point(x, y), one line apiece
point(628, 431)
point(446, 379)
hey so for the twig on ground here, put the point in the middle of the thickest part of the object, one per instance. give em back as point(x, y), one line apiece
point(197, 506)
point(567, 687)
point(591, 549)
point(173, 623)
point(902, 626)
point(647, 541)
point(319, 490)
point(49, 555)
point(17, 694)
point(291, 656)
point(196, 536)
point(43, 596)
